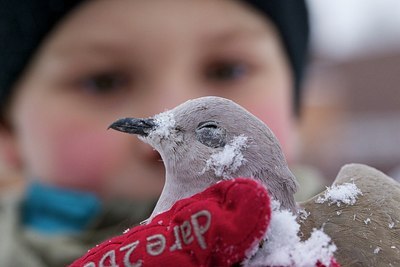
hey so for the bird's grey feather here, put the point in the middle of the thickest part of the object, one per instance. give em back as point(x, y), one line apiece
point(368, 232)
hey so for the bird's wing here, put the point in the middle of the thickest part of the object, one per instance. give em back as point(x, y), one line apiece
point(366, 233)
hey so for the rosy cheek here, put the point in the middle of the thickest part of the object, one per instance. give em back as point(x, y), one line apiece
point(64, 146)
point(279, 120)
point(86, 158)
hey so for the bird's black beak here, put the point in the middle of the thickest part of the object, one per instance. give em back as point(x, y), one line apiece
point(134, 126)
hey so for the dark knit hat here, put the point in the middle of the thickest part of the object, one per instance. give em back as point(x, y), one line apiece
point(23, 27)
point(292, 21)
point(25, 24)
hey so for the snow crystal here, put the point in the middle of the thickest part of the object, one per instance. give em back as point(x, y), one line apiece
point(303, 214)
point(391, 225)
point(336, 194)
point(227, 161)
point(165, 122)
point(368, 220)
point(376, 250)
point(283, 246)
point(126, 231)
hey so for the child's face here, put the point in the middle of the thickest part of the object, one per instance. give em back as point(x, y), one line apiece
point(120, 58)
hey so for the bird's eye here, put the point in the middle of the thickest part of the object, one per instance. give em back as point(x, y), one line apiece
point(210, 134)
point(207, 124)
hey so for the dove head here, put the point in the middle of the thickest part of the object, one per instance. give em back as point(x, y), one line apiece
point(209, 139)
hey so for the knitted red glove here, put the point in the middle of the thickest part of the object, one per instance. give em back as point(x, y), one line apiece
point(216, 227)
point(333, 263)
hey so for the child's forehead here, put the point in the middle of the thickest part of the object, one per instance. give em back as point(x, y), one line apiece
point(135, 22)
point(209, 16)
point(167, 10)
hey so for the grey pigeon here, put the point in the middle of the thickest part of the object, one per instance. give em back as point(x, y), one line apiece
point(209, 139)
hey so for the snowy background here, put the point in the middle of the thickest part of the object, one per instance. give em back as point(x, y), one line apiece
point(344, 29)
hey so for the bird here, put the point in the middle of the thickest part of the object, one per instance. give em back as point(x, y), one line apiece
point(208, 139)
point(366, 232)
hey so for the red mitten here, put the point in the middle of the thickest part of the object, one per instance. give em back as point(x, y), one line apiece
point(216, 227)
point(333, 263)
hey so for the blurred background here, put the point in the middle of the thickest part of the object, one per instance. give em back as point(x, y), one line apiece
point(352, 98)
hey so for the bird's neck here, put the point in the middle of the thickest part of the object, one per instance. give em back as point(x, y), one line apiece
point(177, 188)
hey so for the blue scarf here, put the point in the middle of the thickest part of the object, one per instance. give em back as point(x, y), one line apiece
point(53, 210)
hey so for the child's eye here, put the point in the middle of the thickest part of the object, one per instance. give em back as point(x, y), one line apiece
point(104, 83)
point(226, 71)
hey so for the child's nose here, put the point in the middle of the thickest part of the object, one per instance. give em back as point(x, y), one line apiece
point(170, 91)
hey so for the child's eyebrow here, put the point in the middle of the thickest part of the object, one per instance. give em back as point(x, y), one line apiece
point(103, 47)
point(232, 35)
point(92, 47)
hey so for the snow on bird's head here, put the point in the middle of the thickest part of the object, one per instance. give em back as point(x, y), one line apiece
point(227, 161)
point(164, 129)
point(165, 122)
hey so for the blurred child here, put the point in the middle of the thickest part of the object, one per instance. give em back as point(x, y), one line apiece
point(70, 68)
